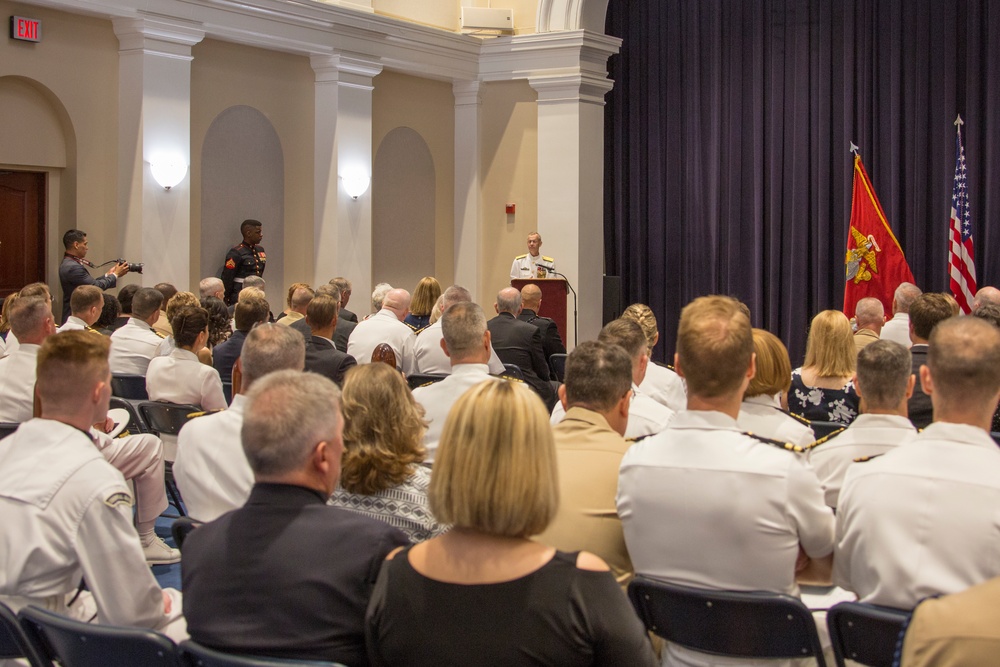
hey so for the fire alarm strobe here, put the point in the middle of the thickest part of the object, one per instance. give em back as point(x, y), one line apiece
point(510, 209)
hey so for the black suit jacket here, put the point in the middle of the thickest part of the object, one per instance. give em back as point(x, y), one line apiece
point(520, 343)
point(323, 358)
point(347, 315)
point(340, 334)
point(225, 354)
point(551, 341)
point(285, 576)
point(73, 274)
point(919, 406)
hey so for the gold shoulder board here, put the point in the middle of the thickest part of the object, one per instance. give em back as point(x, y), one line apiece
point(780, 444)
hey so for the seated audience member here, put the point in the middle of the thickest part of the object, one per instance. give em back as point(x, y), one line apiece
point(177, 301)
point(135, 344)
point(760, 412)
point(957, 630)
point(991, 314)
point(661, 384)
point(926, 312)
point(425, 294)
point(884, 383)
point(424, 354)
point(342, 328)
point(180, 377)
point(822, 389)
point(40, 290)
point(212, 286)
point(645, 416)
point(32, 322)
point(85, 304)
point(985, 296)
point(520, 344)
point(345, 287)
point(162, 325)
point(211, 469)
point(299, 296)
point(898, 328)
point(322, 356)
point(110, 313)
point(438, 310)
point(378, 297)
point(744, 512)
point(590, 444)
point(484, 593)
point(125, 296)
point(466, 342)
point(381, 476)
point(385, 326)
point(531, 301)
point(286, 575)
point(249, 313)
point(67, 513)
point(922, 519)
point(869, 314)
point(219, 329)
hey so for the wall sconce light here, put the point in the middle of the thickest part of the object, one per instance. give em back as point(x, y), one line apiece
point(168, 171)
point(356, 183)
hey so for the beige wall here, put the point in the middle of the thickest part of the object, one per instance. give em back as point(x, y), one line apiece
point(446, 13)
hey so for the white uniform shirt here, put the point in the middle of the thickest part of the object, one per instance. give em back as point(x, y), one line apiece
point(438, 398)
point(132, 346)
point(921, 520)
point(67, 514)
point(17, 384)
point(73, 324)
point(665, 387)
point(11, 344)
point(762, 415)
point(645, 416)
point(423, 354)
point(382, 327)
point(868, 435)
point(898, 329)
point(526, 266)
point(211, 469)
point(181, 378)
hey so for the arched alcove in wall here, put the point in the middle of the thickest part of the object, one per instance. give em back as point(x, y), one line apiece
point(403, 182)
point(243, 176)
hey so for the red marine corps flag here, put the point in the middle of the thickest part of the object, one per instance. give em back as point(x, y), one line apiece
point(875, 262)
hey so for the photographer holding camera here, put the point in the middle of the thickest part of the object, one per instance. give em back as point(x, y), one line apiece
point(73, 270)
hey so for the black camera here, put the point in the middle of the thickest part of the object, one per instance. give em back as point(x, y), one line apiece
point(132, 268)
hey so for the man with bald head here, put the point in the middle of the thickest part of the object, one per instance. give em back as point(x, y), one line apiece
point(385, 326)
point(898, 328)
point(531, 301)
point(921, 520)
point(986, 295)
point(870, 317)
point(520, 343)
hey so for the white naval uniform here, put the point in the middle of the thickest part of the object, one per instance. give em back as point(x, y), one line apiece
point(645, 416)
point(665, 387)
point(382, 327)
point(11, 345)
point(762, 415)
point(17, 384)
point(181, 378)
point(423, 354)
point(211, 469)
point(438, 398)
point(132, 346)
point(702, 504)
point(922, 520)
point(67, 514)
point(526, 266)
point(73, 323)
point(868, 435)
point(897, 329)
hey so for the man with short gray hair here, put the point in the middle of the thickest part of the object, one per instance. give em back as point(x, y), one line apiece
point(244, 589)
point(986, 295)
point(211, 469)
point(385, 326)
point(520, 344)
point(898, 328)
point(345, 286)
point(869, 314)
point(32, 322)
point(212, 286)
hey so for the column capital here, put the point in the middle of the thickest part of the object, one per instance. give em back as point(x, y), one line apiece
point(571, 87)
point(467, 92)
point(171, 39)
point(345, 69)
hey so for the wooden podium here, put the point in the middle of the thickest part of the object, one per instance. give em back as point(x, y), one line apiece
point(554, 293)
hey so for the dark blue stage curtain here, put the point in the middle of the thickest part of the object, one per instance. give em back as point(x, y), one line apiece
point(727, 134)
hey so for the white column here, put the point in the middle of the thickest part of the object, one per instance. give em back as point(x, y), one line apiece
point(342, 226)
point(468, 186)
point(154, 122)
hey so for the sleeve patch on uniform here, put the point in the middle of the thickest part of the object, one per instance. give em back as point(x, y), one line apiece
point(118, 499)
point(230, 264)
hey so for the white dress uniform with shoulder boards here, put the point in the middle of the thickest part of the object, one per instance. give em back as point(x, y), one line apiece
point(17, 384)
point(423, 354)
point(762, 415)
point(867, 436)
point(382, 327)
point(526, 266)
point(437, 399)
point(923, 519)
point(73, 323)
point(181, 378)
point(132, 347)
point(67, 515)
point(665, 387)
point(645, 416)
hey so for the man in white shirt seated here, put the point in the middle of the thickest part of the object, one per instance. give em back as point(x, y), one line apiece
point(85, 306)
point(898, 328)
point(922, 519)
point(34, 289)
point(134, 345)
point(385, 326)
point(32, 322)
point(884, 383)
point(211, 469)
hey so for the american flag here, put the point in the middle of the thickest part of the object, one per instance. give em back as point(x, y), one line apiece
point(961, 256)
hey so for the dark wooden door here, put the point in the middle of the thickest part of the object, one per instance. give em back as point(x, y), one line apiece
point(22, 229)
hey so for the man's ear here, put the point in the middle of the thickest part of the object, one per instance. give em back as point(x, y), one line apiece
point(926, 381)
point(677, 365)
point(562, 397)
point(911, 384)
point(444, 346)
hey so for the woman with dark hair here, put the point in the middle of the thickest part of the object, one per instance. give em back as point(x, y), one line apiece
point(125, 296)
point(219, 326)
point(180, 377)
point(109, 315)
point(380, 473)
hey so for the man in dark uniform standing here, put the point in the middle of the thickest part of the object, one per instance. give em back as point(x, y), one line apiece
point(73, 270)
point(243, 260)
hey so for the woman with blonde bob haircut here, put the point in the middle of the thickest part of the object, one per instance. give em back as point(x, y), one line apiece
point(822, 389)
point(761, 411)
point(484, 593)
point(425, 295)
point(380, 473)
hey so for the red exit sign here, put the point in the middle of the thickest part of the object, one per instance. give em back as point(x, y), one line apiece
point(30, 30)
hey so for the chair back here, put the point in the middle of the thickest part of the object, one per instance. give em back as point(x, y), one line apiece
point(166, 418)
point(823, 429)
point(383, 352)
point(420, 379)
point(512, 371)
point(14, 643)
point(227, 391)
point(753, 624)
point(7, 428)
point(136, 424)
point(125, 385)
point(866, 633)
point(557, 363)
point(181, 528)
point(196, 655)
point(76, 644)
